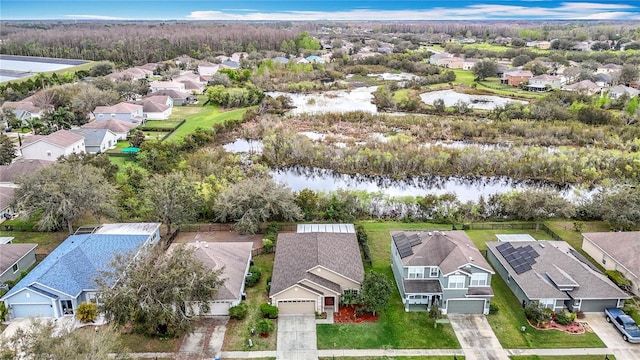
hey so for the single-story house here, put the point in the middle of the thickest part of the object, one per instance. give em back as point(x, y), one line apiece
point(52, 146)
point(620, 90)
point(314, 267)
point(193, 87)
point(608, 68)
point(440, 268)
point(155, 86)
point(230, 64)
point(7, 196)
point(189, 76)
point(616, 251)
point(553, 274)
point(587, 87)
point(66, 277)
point(10, 173)
point(122, 111)
point(515, 77)
point(234, 259)
point(544, 82)
point(183, 59)
point(178, 97)
point(97, 141)
point(119, 127)
point(135, 73)
point(208, 69)
point(15, 259)
point(25, 110)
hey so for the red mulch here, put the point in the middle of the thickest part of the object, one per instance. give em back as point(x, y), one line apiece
point(347, 315)
point(574, 328)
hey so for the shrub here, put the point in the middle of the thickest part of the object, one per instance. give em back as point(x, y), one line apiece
point(536, 314)
point(239, 311)
point(268, 311)
point(493, 308)
point(564, 318)
point(265, 327)
point(3, 312)
point(253, 279)
point(434, 312)
point(267, 245)
point(87, 312)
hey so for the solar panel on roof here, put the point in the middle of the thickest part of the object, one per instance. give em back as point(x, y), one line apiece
point(414, 239)
point(403, 245)
point(520, 259)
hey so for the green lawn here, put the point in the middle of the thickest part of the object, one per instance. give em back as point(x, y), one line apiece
point(395, 328)
point(568, 357)
point(238, 331)
point(481, 237)
point(137, 343)
point(160, 124)
point(400, 94)
point(205, 118)
point(46, 241)
point(464, 77)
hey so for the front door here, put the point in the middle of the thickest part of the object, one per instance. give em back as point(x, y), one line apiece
point(329, 302)
point(67, 307)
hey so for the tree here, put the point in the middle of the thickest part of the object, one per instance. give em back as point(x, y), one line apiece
point(538, 205)
point(7, 150)
point(628, 74)
point(41, 340)
point(375, 292)
point(137, 139)
point(63, 192)
point(157, 291)
point(59, 119)
point(101, 68)
point(304, 41)
point(255, 200)
point(172, 199)
point(89, 97)
point(484, 69)
point(620, 208)
point(9, 117)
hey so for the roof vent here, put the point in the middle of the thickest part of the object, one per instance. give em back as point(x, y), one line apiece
point(430, 233)
point(470, 258)
point(206, 245)
point(541, 245)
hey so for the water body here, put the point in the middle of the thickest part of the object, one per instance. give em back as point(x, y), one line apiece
point(394, 77)
point(482, 102)
point(244, 146)
point(466, 189)
point(13, 67)
point(333, 101)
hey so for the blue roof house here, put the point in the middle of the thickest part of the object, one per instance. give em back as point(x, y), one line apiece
point(66, 277)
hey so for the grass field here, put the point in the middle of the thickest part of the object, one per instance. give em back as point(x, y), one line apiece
point(160, 124)
point(205, 118)
point(46, 241)
point(395, 328)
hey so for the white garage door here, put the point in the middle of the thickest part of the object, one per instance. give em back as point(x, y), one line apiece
point(296, 307)
point(32, 310)
point(219, 308)
point(465, 306)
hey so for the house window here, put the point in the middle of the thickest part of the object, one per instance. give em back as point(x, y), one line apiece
point(433, 272)
point(94, 298)
point(479, 279)
point(604, 260)
point(508, 278)
point(416, 272)
point(15, 267)
point(547, 303)
point(456, 282)
point(48, 152)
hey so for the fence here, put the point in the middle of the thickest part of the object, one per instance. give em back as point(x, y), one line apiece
point(174, 129)
point(229, 227)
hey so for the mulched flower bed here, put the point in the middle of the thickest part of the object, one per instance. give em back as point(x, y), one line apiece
point(347, 315)
point(573, 328)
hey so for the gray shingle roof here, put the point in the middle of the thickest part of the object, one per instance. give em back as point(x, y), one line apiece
point(11, 253)
point(421, 286)
point(92, 137)
point(19, 168)
point(297, 253)
point(7, 195)
point(624, 247)
point(556, 262)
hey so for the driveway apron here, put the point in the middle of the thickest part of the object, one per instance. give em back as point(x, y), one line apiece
point(476, 338)
point(297, 338)
point(612, 338)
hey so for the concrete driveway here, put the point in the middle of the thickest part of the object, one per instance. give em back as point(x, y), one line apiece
point(297, 338)
point(612, 338)
point(476, 337)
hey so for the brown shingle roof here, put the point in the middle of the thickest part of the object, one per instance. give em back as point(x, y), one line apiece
point(298, 253)
point(624, 247)
point(7, 195)
point(62, 138)
point(19, 168)
point(11, 253)
point(120, 108)
point(115, 125)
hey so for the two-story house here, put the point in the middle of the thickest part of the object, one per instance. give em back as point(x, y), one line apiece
point(52, 146)
point(122, 111)
point(440, 268)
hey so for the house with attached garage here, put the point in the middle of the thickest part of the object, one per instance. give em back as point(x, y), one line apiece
point(15, 259)
point(618, 251)
point(97, 141)
point(314, 267)
point(119, 127)
point(66, 277)
point(233, 259)
point(122, 111)
point(555, 275)
point(52, 146)
point(440, 268)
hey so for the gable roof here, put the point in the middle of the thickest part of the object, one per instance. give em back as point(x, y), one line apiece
point(557, 266)
point(297, 253)
point(93, 137)
point(7, 195)
point(120, 108)
point(448, 250)
point(75, 264)
point(584, 84)
point(19, 168)
point(191, 85)
point(61, 138)
point(231, 257)
point(174, 94)
point(154, 107)
point(115, 125)
point(11, 253)
point(623, 247)
point(621, 89)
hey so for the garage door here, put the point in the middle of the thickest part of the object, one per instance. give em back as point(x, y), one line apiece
point(32, 310)
point(465, 306)
point(219, 308)
point(296, 307)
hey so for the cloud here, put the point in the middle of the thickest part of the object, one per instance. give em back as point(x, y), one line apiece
point(94, 17)
point(567, 10)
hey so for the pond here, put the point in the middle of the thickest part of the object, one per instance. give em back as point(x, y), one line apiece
point(481, 102)
point(14, 67)
point(244, 146)
point(466, 189)
point(394, 77)
point(333, 101)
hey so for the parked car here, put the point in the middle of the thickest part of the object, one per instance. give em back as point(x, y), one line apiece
point(624, 323)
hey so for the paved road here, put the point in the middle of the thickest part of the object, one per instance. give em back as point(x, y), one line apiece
point(297, 338)
point(612, 338)
point(476, 337)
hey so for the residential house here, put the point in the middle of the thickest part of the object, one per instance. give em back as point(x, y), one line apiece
point(149, 67)
point(193, 87)
point(178, 97)
point(620, 90)
point(130, 74)
point(281, 60)
point(189, 76)
point(66, 277)
point(554, 275)
point(52, 146)
point(230, 64)
point(119, 127)
point(315, 59)
point(603, 80)
point(7, 197)
point(544, 82)
point(314, 267)
point(9, 174)
point(436, 59)
point(25, 110)
point(183, 60)
point(454, 62)
point(542, 45)
point(238, 56)
point(122, 111)
point(233, 259)
point(154, 109)
point(440, 268)
point(515, 77)
point(301, 60)
point(587, 87)
point(15, 259)
point(97, 141)
point(618, 251)
point(608, 69)
point(469, 63)
point(156, 86)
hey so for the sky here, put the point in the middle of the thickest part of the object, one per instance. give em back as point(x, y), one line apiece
point(301, 10)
